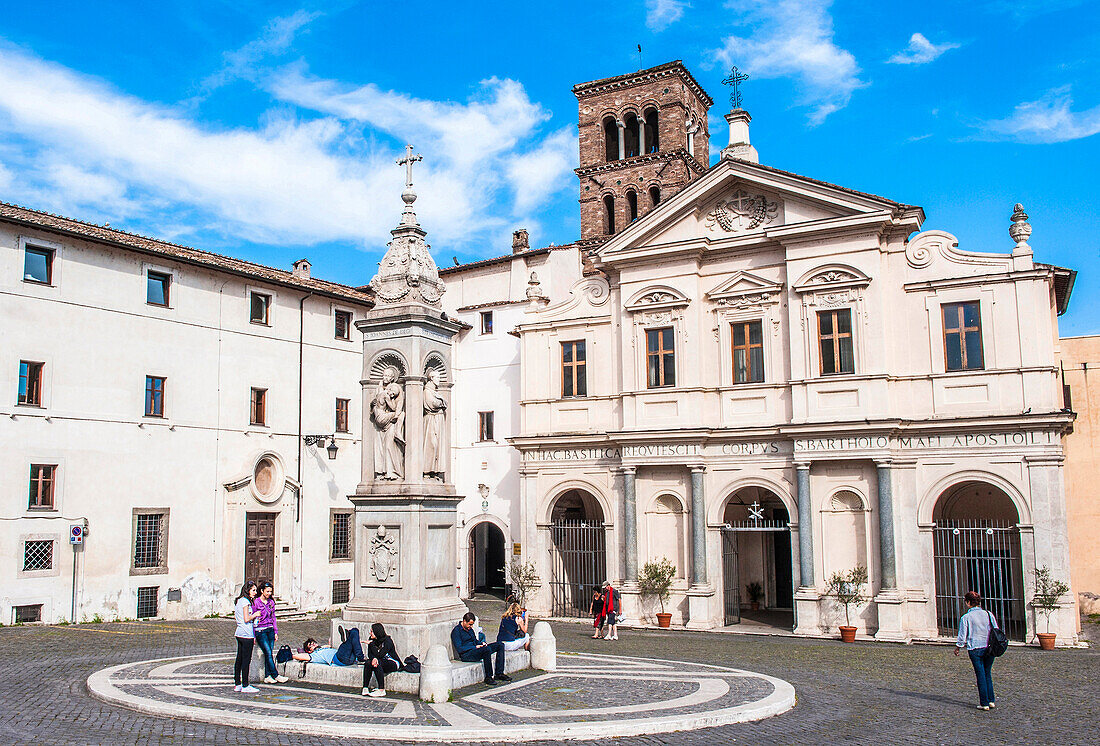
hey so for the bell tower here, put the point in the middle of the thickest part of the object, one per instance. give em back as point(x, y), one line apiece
point(643, 137)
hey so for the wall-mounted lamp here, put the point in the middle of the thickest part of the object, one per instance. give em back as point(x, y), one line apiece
point(319, 440)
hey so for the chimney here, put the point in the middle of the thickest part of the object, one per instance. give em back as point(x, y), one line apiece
point(739, 146)
point(520, 242)
point(301, 269)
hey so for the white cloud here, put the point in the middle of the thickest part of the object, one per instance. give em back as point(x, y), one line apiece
point(541, 172)
point(920, 51)
point(1048, 120)
point(276, 38)
point(660, 14)
point(794, 38)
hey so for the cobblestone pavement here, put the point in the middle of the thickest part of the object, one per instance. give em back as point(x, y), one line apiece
point(871, 693)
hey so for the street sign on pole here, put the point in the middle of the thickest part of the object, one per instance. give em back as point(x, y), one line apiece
point(76, 533)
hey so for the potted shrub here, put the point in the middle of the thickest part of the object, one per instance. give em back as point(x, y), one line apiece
point(1047, 592)
point(848, 588)
point(525, 578)
point(655, 579)
point(756, 593)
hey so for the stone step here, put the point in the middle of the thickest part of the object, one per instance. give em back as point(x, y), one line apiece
point(462, 673)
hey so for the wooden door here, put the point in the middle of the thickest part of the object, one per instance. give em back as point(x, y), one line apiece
point(259, 547)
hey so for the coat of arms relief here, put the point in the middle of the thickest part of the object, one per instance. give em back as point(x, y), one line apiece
point(742, 211)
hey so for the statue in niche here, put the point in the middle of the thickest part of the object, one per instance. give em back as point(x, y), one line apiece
point(387, 412)
point(435, 413)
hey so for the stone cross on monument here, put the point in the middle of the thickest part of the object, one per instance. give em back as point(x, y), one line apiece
point(408, 162)
point(734, 81)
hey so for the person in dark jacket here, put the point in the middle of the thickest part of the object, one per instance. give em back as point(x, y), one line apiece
point(382, 658)
point(468, 649)
point(512, 633)
point(597, 612)
point(612, 610)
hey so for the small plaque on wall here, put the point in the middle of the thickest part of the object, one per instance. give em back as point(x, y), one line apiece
point(517, 548)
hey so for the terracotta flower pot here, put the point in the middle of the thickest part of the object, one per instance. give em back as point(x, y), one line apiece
point(847, 634)
point(664, 619)
point(1046, 640)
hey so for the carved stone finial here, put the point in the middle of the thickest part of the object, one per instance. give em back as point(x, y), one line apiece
point(1020, 230)
point(534, 290)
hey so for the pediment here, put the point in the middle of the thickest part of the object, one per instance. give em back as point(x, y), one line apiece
point(831, 276)
point(657, 297)
point(744, 288)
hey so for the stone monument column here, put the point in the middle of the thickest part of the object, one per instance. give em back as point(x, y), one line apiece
point(405, 503)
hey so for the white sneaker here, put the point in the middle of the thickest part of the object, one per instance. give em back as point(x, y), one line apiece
point(237, 688)
point(366, 692)
point(983, 707)
point(281, 679)
point(616, 637)
point(607, 636)
point(377, 693)
point(269, 680)
point(992, 705)
point(249, 689)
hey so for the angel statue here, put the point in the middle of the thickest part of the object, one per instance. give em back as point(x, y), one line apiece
point(387, 413)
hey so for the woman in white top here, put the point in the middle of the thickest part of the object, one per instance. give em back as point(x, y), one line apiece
point(974, 628)
point(246, 637)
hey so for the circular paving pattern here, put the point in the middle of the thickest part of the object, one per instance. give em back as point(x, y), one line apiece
point(589, 696)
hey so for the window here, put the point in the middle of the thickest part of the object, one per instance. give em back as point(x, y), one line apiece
point(150, 541)
point(834, 333)
point(260, 309)
point(38, 265)
point(340, 540)
point(631, 206)
point(156, 288)
point(42, 481)
point(609, 211)
point(610, 139)
point(652, 134)
point(38, 555)
point(147, 601)
point(484, 426)
point(660, 358)
point(573, 365)
point(154, 396)
point(748, 351)
point(25, 614)
point(962, 336)
point(343, 325)
point(30, 383)
point(341, 592)
point(258, 413)
point(486, 322)
point(654, 196)
point(342, 415)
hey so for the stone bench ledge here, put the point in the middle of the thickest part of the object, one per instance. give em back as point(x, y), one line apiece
point(462, 674)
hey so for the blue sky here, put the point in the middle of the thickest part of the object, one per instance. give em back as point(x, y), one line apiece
point(269, 130)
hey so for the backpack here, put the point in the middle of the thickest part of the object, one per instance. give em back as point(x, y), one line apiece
point(411, 665)
point(284, 654)
point(998, 640)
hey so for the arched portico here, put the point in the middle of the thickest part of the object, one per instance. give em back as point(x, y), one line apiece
point(577, 540)
point(486, 556)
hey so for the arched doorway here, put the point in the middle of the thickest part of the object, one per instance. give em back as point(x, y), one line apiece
point(756, 553)
point(578, 549)
point(486, 559)
point(976, 546)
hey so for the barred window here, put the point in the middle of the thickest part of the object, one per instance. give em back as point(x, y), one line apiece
point(38, 555)
point(341, 536)
point(150, 541)
point(24, 614)
point(147, 601)
point(341, 592)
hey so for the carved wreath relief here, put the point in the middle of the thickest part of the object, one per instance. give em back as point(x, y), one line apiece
point(742, 212)
point(383, 557)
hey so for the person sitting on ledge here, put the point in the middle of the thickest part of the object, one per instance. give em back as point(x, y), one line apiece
point(382, 659)
point(349, 653)
point(470, 650)
point(512, 633)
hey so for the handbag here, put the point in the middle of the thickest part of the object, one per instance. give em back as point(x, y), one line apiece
point(284, 654)
point(411, 665)
point(998, 640)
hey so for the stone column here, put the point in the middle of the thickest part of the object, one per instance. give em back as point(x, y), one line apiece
point(630, 526)
point(805, 528)
point(698, 528)
point(887, 563)
point(622, 139)
point(641, 136)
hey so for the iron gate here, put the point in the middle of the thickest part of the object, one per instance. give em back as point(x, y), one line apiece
point(982, 556)
point(731, 588)
point(578, 565)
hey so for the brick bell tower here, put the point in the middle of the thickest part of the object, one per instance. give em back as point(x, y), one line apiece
point(643, 137)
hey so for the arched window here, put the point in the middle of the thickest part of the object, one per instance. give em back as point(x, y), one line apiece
point(610, 139)
point(632, 135)
point(654, 197)
point(631, 206)
point(609, 209)
point(652, 138)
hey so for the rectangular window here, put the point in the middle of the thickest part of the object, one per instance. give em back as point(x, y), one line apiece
point(341, 592)
point(150, 540)
point(340, 545)
point(258, 409)
point(484, 426)
point(342, 415)
point(962, 336)
point(260, 309)
point(147, 601)
point(30, 383)
point(42, 481)
point(343, 325)
point(834, 334)
point(156, 288)
point(660, 358)
point(573, 369)
point(748, 351)
point(486, 322)
point(38, 555)
point(26, 614)
point(154, 396)
point(38, 265)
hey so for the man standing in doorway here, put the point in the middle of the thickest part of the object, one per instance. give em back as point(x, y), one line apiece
point(469, 649)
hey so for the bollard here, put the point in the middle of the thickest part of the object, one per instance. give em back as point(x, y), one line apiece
point(435, 675)
point(544, 648)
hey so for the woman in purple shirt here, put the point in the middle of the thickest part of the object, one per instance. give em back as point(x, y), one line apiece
point(267, 632)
